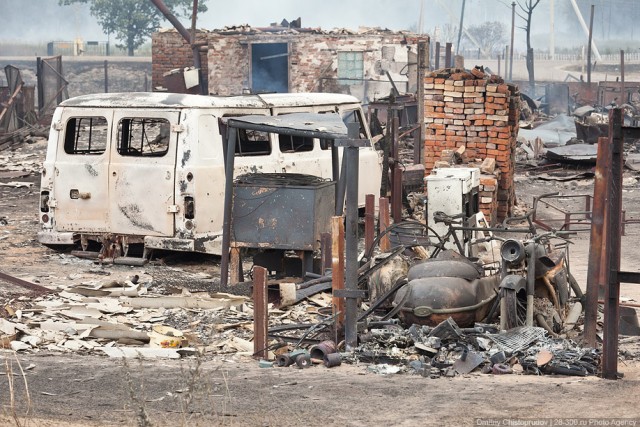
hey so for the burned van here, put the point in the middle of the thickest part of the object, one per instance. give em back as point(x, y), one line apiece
point(148, 168)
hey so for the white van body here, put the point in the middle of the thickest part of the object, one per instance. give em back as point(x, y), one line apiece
point(149, 168)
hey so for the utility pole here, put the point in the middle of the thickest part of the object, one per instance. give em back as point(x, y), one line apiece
point(552, 35)
point(513, 28)
point(589, 46)
point(460, 28)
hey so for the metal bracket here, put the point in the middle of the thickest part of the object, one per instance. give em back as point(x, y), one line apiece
point(58, 126)
point(173, 209)
point(349, 293)
point(177, 128)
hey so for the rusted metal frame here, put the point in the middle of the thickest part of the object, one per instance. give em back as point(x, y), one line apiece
point(337, 272)
point(24, 284)
point(260, 312)
point(383, 223)
point(369, 221)
point(396, 174)
point(351, 157)
point(228, 201)
point(595, 287)
point(612, 247)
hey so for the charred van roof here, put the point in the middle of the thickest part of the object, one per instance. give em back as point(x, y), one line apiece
point(178, 100)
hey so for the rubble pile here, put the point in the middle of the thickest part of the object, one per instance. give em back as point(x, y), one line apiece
point(133, 318)
point(447, 350)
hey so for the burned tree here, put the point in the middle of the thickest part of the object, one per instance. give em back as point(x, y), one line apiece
point(527, 7)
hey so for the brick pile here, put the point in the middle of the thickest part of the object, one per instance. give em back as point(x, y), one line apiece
point(475, 115)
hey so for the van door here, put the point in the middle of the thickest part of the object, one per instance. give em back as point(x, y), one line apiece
point(81, 174)
point(142, 172)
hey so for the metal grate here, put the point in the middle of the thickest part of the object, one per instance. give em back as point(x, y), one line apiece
point(517, 338)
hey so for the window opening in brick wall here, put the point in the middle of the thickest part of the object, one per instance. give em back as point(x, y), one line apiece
point(86, 135)
point(269, 67)
point(350, 68)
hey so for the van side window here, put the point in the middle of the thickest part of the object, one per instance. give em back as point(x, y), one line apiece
point(252, 143)
point(295, 144)
point(143, 137)
point(86, 135)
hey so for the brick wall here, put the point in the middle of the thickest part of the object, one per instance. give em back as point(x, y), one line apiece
point(171, 51)
point(313, 59)
point(476, 114)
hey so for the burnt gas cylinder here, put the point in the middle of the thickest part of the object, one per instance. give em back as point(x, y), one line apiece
point(443, 268)
point(319, 351)
point(465, 301)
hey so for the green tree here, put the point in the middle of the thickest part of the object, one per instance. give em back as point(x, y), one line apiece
point(133, 21)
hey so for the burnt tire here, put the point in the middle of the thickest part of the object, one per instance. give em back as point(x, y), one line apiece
point(516, 307)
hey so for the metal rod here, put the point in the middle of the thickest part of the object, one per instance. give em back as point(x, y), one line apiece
point(531, 283)
point(594, 286)
point(23, 283)
point(589, 45)
point(383, 223)
point(351, 154)
point(342, 185)
point(612, 223)
point(260, 312)
point(396, 195)
point(369, 221)
point(228, 201)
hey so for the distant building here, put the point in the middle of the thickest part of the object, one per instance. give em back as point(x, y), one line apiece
point(285, 59)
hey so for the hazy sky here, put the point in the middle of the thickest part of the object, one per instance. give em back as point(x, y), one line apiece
point(44, 20)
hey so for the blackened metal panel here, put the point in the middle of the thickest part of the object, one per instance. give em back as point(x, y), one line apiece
point(278, 215)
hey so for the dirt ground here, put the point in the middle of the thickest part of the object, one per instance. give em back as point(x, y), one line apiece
point(77, 390)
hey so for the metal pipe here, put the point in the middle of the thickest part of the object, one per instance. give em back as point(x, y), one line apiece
point(531, 284)
point(351, 256)
point(228, 201)
point(174, 21)
point(423, 66)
